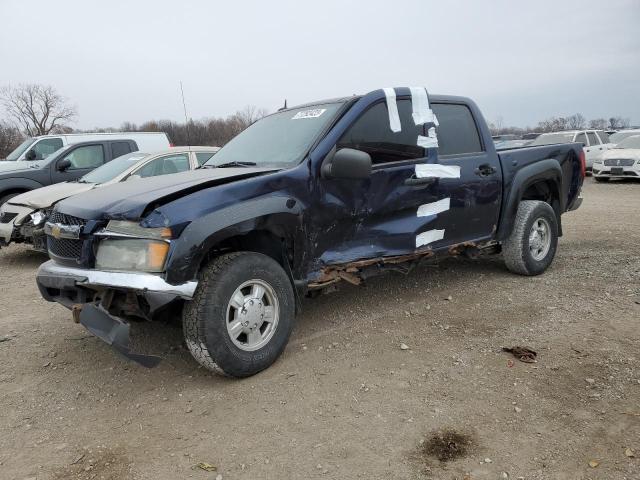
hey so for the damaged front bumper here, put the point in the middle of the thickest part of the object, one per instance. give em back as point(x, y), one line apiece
point(54, 279)
point(76, 289)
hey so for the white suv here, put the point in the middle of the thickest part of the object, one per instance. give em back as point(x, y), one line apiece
point(594, 142)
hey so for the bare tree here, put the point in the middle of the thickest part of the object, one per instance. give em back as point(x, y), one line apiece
point(10, 138)
point(249, 115)
point(598, 123)
point(616, 123)
point(576, 121)
point(37, 109)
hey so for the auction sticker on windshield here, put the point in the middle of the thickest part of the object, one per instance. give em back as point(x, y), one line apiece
point(315, 113)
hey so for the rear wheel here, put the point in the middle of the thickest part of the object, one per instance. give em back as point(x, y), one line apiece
point(532, 245)
point(242, 314)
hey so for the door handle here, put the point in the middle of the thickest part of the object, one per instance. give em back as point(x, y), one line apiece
point(600, 148)
point(424, 181)
point(485, 170)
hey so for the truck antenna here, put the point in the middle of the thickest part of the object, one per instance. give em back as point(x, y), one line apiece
point(186, 120)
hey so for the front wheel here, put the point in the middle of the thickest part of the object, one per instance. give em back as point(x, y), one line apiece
point(241, 316)
point(533, 242)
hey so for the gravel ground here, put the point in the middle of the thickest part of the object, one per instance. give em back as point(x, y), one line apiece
point(345, 400)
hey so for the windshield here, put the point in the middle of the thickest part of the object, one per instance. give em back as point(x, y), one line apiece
point(620, 136)
point(112, 169)
point(553, 138)
point(630, 142)
point(13, 156)
point(279, 140)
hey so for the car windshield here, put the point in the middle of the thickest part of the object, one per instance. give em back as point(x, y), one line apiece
point(553, 138)
point(280, 140)
point(13, 156)
point(630, 142)
point(620, 136)
point(112, 169)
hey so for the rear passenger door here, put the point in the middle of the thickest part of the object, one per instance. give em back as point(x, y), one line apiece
point(594, 150)
point(122, 148)
point(475, 198)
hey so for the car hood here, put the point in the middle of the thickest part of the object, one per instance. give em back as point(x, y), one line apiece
point(16, 167)
point(633, 153)
point(129, 200)
point(47, 196)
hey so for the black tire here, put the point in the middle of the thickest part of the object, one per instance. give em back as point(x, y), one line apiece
point(205, 316)
point(601, 179)
point(516, 250)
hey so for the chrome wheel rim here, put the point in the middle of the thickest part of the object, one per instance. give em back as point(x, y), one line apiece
point(540, 239)
point(252, 315)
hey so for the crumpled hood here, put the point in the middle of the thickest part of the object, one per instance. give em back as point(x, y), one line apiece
point(129, 200)
point(16, 167)
point(633, 153)
point(45, 197)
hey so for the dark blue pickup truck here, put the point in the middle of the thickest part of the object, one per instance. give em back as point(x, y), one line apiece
point(307, 197)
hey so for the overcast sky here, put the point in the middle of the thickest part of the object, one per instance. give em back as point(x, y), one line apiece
point(520, 60)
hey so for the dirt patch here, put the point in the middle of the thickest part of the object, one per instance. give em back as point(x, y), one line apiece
point(102, 463)
point(447, 445)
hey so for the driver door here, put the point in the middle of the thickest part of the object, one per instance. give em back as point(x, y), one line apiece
point(379, 216)
point(83, 158)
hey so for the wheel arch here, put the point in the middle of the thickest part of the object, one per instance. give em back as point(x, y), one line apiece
point(269, 226)
point(539, 181)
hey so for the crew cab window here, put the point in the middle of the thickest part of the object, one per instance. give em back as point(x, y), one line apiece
point(581, 138)
point(87, 156)
point(203, 157)
point(604, 137)
point(457, 133)
point(46, 147)
point(120, 148)
point(165, 166)
point(371, 133)
point(593, 140)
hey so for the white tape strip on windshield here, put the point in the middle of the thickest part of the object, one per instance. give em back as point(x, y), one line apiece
point(424, 170)
point(392, 107)
point(431, 141)
point(428, 237)
point(422, 113)
point(434, 208)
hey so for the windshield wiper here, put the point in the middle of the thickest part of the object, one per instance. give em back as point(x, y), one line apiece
point(236, 164)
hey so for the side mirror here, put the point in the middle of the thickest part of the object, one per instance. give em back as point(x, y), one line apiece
point(348, 163)
point(63, 165)
point(30, 155)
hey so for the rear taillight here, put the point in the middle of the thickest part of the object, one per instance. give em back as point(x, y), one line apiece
point(171, 145)
point(583, 164)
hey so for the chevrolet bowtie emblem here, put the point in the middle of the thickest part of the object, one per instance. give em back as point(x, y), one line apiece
point(55, 232)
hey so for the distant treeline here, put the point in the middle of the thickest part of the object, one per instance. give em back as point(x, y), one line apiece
point(212, 131)
point(576, 121)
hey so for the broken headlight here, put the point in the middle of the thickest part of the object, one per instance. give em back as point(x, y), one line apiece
point(38, 217)
point(131, 247)
point(132, 254)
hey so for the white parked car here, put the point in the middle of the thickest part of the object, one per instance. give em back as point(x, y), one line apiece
point(594, 142)
point(622, 134)
point(622, 161)
point(23, 217)
point(37, 148)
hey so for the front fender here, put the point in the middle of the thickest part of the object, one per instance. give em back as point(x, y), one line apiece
point(545, 170)
point(276, 214)
point(18, 183)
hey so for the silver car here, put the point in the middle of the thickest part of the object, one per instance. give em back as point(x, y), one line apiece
point(23, 217)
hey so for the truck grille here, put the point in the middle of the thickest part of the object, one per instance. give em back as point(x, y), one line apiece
point(63, 247)
point(619, 162)
point(63, 219)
